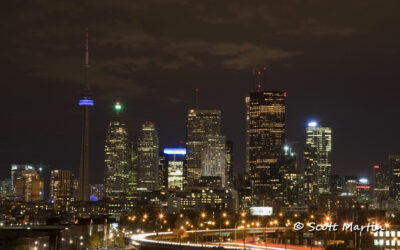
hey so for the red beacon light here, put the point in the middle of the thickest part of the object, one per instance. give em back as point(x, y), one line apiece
point(376, 166)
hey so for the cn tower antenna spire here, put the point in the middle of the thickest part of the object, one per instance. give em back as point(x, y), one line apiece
point(87, 60)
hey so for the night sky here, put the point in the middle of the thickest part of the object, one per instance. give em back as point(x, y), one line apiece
point(337, 60)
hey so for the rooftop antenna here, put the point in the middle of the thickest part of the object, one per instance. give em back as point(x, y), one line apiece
point(197, 98)
point(265, 76)
point(253, 79)
point(87, 87)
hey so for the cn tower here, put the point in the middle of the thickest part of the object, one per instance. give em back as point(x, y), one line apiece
point(85, 101)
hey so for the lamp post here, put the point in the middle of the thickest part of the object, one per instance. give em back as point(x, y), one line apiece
point(160, 217)
point(243, 214)
point(220, 226)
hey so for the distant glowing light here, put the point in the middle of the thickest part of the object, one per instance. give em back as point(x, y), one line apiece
point(363, 187)
point(376, 166)
point(118, 106)
point(363, 180)
point(312, 124)
point(286, 148)
point(175, 151)
point(86, 102)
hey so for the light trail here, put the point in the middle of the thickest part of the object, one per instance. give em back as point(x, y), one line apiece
point(138, 238)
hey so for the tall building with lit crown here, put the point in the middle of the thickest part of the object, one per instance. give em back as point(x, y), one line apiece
point(116, 159)
point(317, 161)
point(201, 124)
point(394, 165)
point(265, 135)
point(175, 160)
point(148, 158)
point(61, 189)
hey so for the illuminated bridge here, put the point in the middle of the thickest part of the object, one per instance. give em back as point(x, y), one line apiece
point(249, 238)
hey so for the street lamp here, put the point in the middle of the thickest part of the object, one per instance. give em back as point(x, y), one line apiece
point(224, 214)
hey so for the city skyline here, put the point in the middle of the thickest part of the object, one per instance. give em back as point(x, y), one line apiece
point(335, 87)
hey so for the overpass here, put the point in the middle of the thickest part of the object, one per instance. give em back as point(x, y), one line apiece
point(204, 239)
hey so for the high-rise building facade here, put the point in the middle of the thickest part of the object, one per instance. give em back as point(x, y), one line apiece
point(289, 188)
point(381, 185)
point(116, 159)
point(29, 186)
point(364, 194)
point(17, 170)
point(394, 165)
point(201, 124)
point(265, 135)
point(213, 158)
point(317, 161)
point(6, 189)
point(175, 160)
point(148, 158)
point(61, 189)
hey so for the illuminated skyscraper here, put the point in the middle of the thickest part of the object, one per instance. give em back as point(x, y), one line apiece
point(148, 158)
point(381, 184)
point(201, 124)
point(116, 171)
point(213, 158)
point(85, 101)
point(17, 170)
point(363, 190)
point(317, 161)
point(61, 189)
point(175, 159)
point(29, 186)
point(394, 164)
point(265, 135)
point(291, 181)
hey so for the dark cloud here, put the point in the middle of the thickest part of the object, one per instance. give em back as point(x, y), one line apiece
point(336, 59)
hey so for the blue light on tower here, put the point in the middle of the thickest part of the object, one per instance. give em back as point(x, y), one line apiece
point(175, 151)
point(86, 103)
point(313, 124)
point(86, 100)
